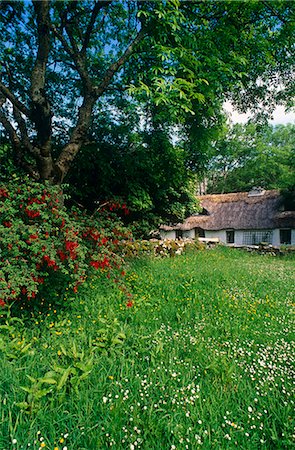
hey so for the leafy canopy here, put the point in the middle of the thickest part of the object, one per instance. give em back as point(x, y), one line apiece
point(63, 60)
point(250, 155)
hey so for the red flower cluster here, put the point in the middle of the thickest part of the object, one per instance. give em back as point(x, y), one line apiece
point(101, 264)
point(117, 206)
point(62, 255)
point(7, 224)
point(94, 234)
point(71, 247)
point(3, 192)
point(32, 214)
point(50, 262)
point(39, 280)
point(33, 200)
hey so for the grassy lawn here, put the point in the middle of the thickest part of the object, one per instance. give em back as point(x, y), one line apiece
point(203, 358)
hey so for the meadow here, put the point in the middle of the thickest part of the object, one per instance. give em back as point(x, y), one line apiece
point(199, 355)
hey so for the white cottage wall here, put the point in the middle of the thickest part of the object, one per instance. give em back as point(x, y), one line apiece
point(190, 234)
point(220, 234)
point(239, 234)
point(168, 234)
point(276, 238)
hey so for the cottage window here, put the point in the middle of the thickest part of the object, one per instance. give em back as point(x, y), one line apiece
point(199, 232)
point(285, 236)
point(230, 237)
point(179, 234)
point(256, 237)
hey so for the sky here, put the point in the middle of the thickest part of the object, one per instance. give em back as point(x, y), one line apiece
point(280, 116)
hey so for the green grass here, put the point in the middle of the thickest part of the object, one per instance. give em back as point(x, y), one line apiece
point(203, 359)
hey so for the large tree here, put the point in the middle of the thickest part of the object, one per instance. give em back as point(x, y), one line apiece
point(61, 62)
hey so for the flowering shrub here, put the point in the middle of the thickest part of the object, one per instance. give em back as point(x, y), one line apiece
point(40, 239)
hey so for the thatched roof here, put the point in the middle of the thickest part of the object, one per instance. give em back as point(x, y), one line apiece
point(239, 211)
point(285, 219)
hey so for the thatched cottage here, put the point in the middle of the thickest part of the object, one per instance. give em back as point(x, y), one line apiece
point(242, 218)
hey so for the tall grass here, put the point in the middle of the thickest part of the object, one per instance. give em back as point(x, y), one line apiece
point(204, 358)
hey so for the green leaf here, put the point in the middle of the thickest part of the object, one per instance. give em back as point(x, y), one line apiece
point(64, 378)
point(47, 380)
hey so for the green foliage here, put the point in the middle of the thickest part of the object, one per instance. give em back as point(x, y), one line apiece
point(43, 243)
point(144, 169)
point(251, 155)
point(160, 54)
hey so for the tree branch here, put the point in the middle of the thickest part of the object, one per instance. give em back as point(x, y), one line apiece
point(97, 7)
point(99, 90)
point(274, 12)
point(10, 130)
point(18, 116)
point(22, 126)
point(75, 55)
point(16, 144)
point(61, 38)
point(72, 39)
point(10, 96)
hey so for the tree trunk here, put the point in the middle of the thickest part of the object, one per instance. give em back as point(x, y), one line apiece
point(78, 138)
point(41, 110)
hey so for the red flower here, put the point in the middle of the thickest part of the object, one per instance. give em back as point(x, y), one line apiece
point(50, 262)
point(7, 224)
point(94, 234)
point(61, 255)
point(34, 200)
point(105, 262)
point(129, 304)
point(2, 303)
point(95, 264)
point(101, 264)
point(32, 214)
point(125, 209)
point(3, 192)
point(71, 246)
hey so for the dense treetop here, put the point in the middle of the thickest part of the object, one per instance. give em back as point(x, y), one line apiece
point(62, 61)
point(124, 98)
point(252, 155)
